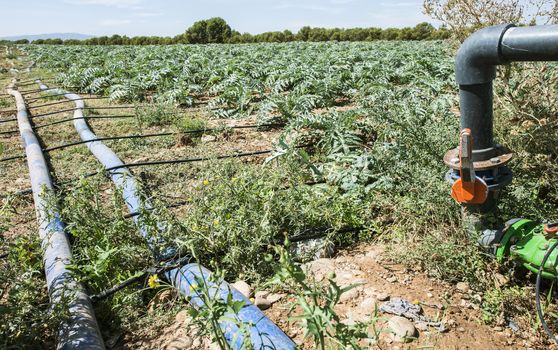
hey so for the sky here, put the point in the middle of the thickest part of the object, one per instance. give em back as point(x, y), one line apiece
point(171, 17)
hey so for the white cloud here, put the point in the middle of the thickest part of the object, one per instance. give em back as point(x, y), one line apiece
point(114, 22)
point(111, 3)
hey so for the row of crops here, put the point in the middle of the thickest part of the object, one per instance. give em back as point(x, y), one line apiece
point(331, 87)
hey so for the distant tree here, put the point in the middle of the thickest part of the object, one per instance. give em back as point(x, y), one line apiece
point(304, 33)
point(218, 31)
point(213, 30)
point(390, 34)
point(197, 33)
point(69, 42)
point(21, 42)
point(423, 31)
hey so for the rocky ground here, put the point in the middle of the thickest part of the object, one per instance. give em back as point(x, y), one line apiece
point(452, 309)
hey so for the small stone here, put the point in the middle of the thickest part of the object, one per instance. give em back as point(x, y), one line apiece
point(182, 316)
point(262, 303)
point(351, 294)
point(214, 346)
point(498, 329)
point(208, 138)
point(500, 280)
point(243, 287)
point(403, 329)
point(461, 329)
point(262, 294)
point(462, 287)
point(430, 295)
point(320, 268)
point(368, 306)
point(451, 322)
point(275, 297)
point(421, 326)
point(382, 296)
point(392, 279)
point(161, 298)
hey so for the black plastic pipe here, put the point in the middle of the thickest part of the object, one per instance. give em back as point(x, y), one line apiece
point(475, 68)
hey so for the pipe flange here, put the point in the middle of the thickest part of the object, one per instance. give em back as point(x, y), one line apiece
point(502, 157)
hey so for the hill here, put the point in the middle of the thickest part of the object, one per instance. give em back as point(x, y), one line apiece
point(63, 36)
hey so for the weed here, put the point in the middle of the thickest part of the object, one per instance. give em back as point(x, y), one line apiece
point(217, 310)
point(316, 303)
point(502, 303)
point(184, 124)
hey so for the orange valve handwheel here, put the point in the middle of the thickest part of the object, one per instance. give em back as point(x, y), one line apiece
point(474, 192)
point(468, 189)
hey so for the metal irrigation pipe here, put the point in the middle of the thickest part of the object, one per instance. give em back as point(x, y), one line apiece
point(263, 333)
point(79, 330)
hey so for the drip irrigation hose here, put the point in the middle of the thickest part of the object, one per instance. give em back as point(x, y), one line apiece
point(153, 270)
point(73, 109)
point(34, 91)
point(79, 330)
point(538, 293)
point(27, 83)
point(67, 101)
point(64, 111)
point(263, 334)
point(88, 117)
point(124, 137)
point(187, 160)
point(8, 132)
point(71, 120)
point(175, 161)
point(32, 81)
point(43, 97)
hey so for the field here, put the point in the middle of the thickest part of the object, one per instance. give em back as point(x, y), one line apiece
point(355, 134)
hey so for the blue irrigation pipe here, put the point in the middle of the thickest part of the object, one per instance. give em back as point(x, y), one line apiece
point(264, 334)
point(79, 330)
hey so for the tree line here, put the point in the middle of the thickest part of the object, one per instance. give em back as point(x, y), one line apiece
point(216, 30)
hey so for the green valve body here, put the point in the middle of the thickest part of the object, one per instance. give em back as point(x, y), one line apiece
point(528, 242)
